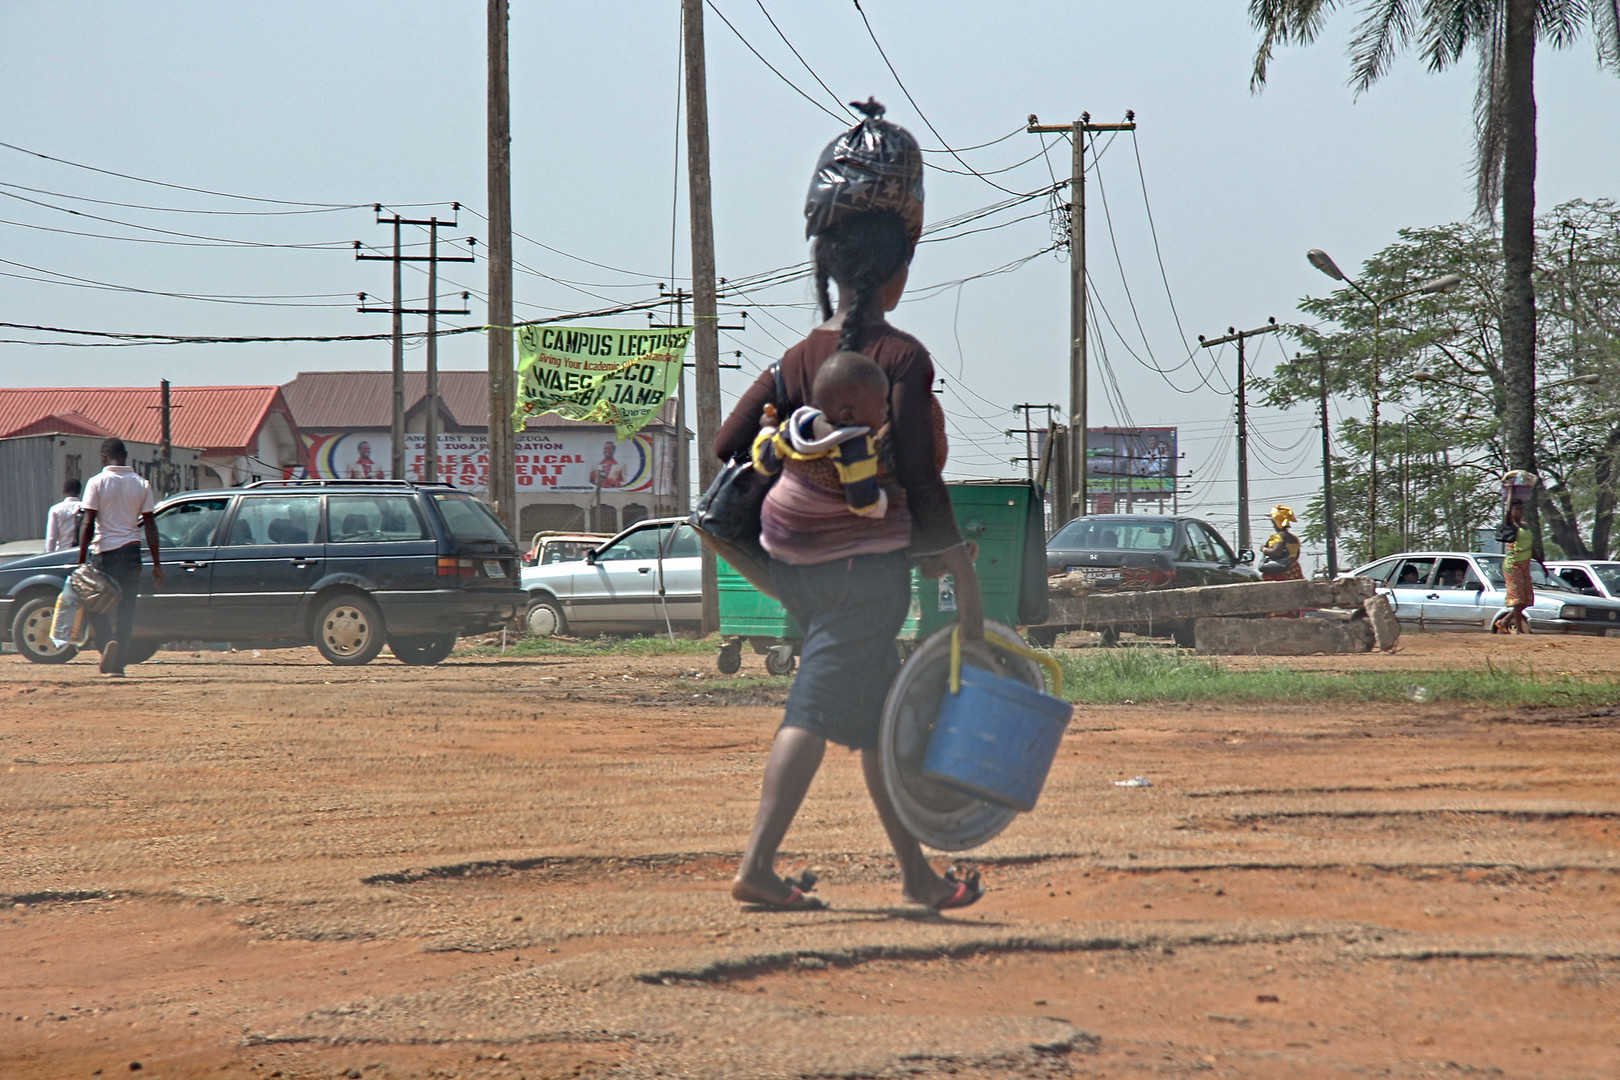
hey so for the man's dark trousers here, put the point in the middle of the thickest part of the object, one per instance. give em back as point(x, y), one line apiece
point(123, 565)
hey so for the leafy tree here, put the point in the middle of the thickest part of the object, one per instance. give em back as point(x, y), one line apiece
point(1503, 35)
point(1439, 360)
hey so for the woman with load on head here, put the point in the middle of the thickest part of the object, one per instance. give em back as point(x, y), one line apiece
point(1280, 557)
point(858, 447)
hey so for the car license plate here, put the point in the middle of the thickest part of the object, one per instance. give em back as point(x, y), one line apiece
point(493, 568)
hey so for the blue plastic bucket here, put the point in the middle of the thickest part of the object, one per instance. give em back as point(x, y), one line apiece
point(996, 739)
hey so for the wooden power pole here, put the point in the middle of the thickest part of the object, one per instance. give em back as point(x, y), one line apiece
point(1240, 336)
point(705, 320)
point(1077, 133)
point(502, 491)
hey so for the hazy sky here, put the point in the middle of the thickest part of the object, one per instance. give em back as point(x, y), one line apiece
point(349, 103)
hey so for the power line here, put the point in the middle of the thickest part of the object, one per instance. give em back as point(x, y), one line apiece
point(795, 86)
point(795, 52)
point(177, 187)
point(182, 209)
point(901, 84)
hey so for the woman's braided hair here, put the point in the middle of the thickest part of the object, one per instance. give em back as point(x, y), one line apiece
point(862, 253)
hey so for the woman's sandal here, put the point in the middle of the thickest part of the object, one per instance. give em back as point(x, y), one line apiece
point(796, 899)
point(968, 891)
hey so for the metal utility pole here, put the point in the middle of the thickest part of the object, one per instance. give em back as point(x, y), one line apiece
point(705, 321)
point(502, 490)
point(1240, 336)
point(433, 259)
point(1077, 133)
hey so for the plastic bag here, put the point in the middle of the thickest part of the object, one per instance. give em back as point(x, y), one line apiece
point(70, 622)
point(95, 590)
point(875, 165)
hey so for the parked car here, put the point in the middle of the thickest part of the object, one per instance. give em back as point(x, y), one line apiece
point(345, 565)
point(550, 547)
point(1460, 590)
point(1591, 577)
point(1141, 551)
point(646, 579)
point(1144, 551)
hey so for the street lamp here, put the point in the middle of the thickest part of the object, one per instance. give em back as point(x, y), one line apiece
point(1445, 283)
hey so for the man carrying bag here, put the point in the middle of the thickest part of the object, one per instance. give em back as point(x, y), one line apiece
point(118, 504)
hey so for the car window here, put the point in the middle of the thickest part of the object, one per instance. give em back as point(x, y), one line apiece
point(564, 551)
point(190, 524)
point(1378, 571)
point(1113, 535)
point(468, 520)
point(1609, 574)
point(275, 519)
point(683, 544)
point(358, 519)
point(1217, 546)
point(1577, 578)
point(1452, 574)
point(641, 544)
point(1412, 573)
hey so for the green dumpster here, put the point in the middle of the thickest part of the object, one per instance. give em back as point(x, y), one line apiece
point(1005, 518)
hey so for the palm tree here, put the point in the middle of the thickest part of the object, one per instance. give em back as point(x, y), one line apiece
point(1503, 34)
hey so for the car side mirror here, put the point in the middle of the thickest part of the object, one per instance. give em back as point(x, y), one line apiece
point(1245, 556)
point(1475, 586)
point(590, 557)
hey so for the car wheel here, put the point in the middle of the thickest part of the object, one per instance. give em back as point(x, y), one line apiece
point(545, 618)
point(730, 659)
point(422, 649)
point(139, 651)
point(780, 660)
point(349, 629)
point(31, 632)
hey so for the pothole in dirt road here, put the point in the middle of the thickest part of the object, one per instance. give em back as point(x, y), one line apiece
point(1298, 1006)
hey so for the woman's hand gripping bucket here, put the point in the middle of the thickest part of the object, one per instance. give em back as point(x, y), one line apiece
point(996, 737)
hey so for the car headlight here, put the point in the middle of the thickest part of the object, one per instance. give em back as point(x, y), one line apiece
point(1572, 611)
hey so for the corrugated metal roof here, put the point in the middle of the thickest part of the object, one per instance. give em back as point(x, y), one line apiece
point(328, 400)
point(61, 423)
point(216, 419)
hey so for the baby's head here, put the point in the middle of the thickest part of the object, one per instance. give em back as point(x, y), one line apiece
point(852, 391)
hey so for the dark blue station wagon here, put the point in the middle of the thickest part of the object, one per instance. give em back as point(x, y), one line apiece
point(345, 565)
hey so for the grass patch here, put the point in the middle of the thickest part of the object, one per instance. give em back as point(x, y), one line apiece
point(1142, 675)
point(606, 645)
point(762, 682)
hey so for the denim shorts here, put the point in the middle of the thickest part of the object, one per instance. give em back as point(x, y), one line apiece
point(851, 611)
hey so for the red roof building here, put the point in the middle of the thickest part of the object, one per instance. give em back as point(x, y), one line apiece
point(245, 432)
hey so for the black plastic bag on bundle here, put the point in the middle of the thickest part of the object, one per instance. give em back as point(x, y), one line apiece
point(875, 165)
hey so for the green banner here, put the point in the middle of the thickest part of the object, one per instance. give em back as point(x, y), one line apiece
point(618, 377)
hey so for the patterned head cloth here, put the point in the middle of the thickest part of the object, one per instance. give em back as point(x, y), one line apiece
point(875, 165)
point(1282, 516)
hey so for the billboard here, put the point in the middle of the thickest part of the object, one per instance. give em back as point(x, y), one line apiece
point(574, 461)
point(1137, 461)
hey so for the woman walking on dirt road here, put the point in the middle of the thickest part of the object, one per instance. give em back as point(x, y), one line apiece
point(846, 578)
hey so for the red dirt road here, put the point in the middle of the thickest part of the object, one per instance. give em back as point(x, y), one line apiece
point(260, 867)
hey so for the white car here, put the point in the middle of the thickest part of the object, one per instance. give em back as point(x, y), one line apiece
point(1594, 577)
point(646, 579)
point(1460, 590)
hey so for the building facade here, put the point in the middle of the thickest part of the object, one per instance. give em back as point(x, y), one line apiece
point(569, 475)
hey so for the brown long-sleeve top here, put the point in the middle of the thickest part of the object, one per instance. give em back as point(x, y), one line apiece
point(911, 382)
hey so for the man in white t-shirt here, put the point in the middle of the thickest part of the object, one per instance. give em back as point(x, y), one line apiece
point(118, 504)
point(62, 521)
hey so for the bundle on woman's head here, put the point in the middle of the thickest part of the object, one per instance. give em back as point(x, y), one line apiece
point(875, 165)
point(864, 212)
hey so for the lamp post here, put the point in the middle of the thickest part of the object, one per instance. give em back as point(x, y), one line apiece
point(1324, 262)
point(1327, 467)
